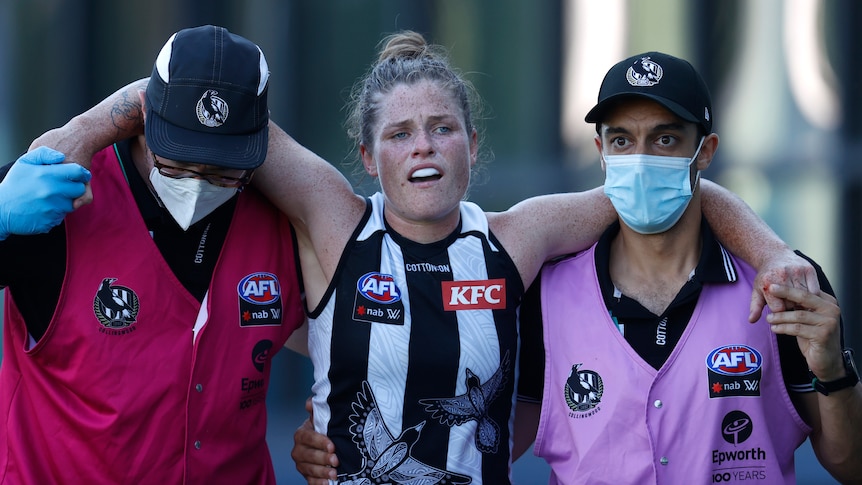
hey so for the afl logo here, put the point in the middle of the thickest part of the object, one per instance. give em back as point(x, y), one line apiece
point(734, 360)
point(259, 288)
point(644, 73)
point(379, 287)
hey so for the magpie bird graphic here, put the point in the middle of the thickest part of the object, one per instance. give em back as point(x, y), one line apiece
point(580, 387)
point(387, 459)
point(473, 405)
point(117, 308)
point(214, 107)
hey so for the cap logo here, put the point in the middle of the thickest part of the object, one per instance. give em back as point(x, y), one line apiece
point(644, 72)
point(212, 110)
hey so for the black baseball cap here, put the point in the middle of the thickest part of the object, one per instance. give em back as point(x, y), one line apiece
point(207, 100)
point(667, 80)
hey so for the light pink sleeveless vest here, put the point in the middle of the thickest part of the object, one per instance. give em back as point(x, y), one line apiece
point(716, 412)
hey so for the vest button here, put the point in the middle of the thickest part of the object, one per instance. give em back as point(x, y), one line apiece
point(199, 388)
point(198, 445)
point(657, 403)
point(663, 460)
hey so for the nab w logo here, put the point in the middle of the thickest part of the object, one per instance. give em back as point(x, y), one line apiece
point(474, 295)
point(379, 287)
point(259, 288)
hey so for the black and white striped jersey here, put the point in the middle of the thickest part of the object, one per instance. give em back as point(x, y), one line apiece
point(414, 349)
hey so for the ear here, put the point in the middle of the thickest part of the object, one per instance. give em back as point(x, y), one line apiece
point(598, 142)
point(368, 160)
point(707, 151)
point(474, 147)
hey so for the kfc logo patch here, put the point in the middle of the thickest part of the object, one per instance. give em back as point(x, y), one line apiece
point(474, 295)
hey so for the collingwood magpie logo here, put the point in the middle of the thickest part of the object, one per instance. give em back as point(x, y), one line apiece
point(583, 390)
point(473, 406)
point(644, 72)
point(212, 111)
point(387, 458)
point(115, 306)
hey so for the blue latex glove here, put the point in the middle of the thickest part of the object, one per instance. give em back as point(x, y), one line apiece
point(38, 192)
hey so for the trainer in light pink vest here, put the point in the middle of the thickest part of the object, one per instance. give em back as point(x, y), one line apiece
point(716, 412)
point(117, 391)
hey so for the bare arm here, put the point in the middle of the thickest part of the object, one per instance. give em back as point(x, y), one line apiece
point(313, 453)
point(526, 424)
point(543, 227)
point(89, 132)
point(745, 234)
point(319, 201)
point(85, 134)
point(317, 198)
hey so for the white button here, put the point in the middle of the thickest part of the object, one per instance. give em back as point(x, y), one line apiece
point(657, 403)
point(663, 460)
point(198, 446)
point(199, 388)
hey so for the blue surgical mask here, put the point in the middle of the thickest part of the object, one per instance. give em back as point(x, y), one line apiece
point(649, 192)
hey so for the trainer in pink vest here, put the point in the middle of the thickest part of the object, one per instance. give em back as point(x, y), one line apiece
point(121, 389)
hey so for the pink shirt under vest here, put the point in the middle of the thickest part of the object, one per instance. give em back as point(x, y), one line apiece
point(716, 412)
point(117, 391)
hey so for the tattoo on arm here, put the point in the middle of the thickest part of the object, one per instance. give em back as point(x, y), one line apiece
point(126, 114)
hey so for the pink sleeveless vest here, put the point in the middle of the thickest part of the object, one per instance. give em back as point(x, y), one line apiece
point(117, 391)
point(716, 412)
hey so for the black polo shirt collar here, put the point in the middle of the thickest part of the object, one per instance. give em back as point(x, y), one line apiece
point(714, 266)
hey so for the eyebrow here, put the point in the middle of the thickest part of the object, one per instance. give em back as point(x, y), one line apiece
point(408, 122)
point(675, 126)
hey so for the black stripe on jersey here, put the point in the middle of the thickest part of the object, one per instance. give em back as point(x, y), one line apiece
point(350, 346)
point(508, 338)
point(434, 346)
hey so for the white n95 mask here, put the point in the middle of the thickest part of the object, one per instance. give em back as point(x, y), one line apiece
point(189, 199)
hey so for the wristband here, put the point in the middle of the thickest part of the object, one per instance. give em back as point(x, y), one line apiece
point(848, 380)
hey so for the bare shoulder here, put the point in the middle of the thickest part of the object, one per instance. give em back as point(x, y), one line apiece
point(524, 246)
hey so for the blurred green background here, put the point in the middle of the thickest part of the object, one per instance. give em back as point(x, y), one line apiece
point(784, 77)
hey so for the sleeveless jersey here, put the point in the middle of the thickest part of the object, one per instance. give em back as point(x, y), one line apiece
point(135, 381)
point(717, 411)
point(414, 349)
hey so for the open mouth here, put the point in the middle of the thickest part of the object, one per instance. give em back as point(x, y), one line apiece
point(425, 175)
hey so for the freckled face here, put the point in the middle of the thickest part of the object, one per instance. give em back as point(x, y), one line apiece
point(422, 153)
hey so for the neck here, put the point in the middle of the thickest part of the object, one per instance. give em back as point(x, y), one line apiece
point(141, 159)
point(423, 231)
point(653, 268)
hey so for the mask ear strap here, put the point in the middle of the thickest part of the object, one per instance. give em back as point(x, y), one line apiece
point(693, 160)
point(697, 152)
